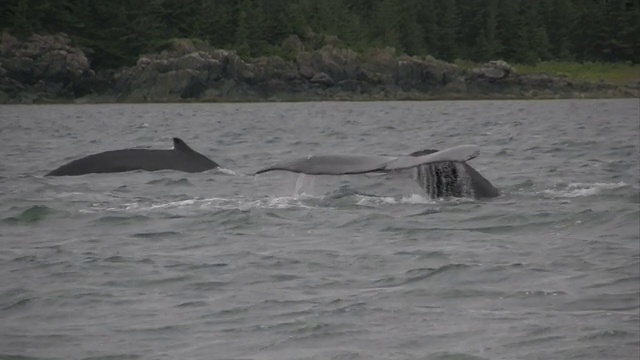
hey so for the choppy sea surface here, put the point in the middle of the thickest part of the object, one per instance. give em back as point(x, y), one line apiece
point(227, 265)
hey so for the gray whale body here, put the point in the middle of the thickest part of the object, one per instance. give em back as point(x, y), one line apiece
point(180, 158)
point(440, 173)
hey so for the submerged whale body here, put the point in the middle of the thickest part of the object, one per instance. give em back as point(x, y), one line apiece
point(443, 173)
point(180, 158)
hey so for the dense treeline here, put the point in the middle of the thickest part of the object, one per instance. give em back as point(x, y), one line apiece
point(523, 31)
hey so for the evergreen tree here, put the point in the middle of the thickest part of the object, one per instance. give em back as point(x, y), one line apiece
point(508, 28)
point(17, 17)
point(115, 32)
point(384, 24)
point(560, 22)
point(490, 32)
point(621, 17)
point(243, 28)
point(410, 33)
point(588, 33)
point(218, 28)
point(629, 35)
point(427, 17)
point(448, 30)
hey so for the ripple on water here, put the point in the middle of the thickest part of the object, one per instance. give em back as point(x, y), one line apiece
point(173, 265)
point(156, 234)
point(122, 219)
point(420, 274)
point(33, 214)
point(170, 182)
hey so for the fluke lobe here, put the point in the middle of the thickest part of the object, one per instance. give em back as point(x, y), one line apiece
point(441, 173)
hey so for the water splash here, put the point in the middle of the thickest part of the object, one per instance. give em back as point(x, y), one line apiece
point(214, 203)
point(304, 185)
point(227, 171)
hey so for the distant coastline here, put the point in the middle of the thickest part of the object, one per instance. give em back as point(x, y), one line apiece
point(49, 69)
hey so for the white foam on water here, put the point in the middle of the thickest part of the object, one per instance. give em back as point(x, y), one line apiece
point(214, 203)
point(227, 171)
point(583, 189)
point(416, 199)
point(366, 200)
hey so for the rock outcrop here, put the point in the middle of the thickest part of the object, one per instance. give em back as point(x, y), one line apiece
point(47, 68)
point(43, 66)
point(330, 72)
point(496, 78)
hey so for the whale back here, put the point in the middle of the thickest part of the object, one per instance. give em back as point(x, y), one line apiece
point(180, 158)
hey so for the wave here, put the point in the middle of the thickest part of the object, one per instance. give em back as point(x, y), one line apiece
point(33, 214)
point(572, 190)
point(302, 200)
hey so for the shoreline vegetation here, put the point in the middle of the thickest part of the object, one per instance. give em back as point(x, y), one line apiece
point(48, 69)
point(297, 50)
point(289, 50)
point(622, 74)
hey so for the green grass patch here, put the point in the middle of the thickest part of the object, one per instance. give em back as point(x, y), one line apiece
point(615, 73)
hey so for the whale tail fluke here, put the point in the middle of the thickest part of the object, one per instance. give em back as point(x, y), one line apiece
point(423, 152)
point(440, 173)
point(451, 178)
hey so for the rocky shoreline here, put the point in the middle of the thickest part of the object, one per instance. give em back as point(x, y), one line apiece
point(48, 69)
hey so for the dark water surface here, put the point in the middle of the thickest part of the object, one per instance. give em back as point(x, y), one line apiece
point(171, 265)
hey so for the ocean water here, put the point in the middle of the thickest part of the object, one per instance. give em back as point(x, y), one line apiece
point(227, 265)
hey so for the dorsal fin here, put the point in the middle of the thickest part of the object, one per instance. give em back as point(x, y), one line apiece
point(180, 145)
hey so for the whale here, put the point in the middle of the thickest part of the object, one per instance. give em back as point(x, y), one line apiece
point(180, 158)
point(440, 173)
point(451, 179)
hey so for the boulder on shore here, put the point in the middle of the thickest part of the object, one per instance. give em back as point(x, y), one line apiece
point(43, 66)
